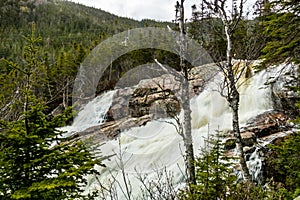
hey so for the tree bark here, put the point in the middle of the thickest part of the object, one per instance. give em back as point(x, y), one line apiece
point(187, 136)
point(185, 128)
point(233, 99)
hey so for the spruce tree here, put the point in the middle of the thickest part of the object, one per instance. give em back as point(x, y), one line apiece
point(36, 162)
point(282, 26)
point(214, 172)
point(32, 167)
point(285, 165)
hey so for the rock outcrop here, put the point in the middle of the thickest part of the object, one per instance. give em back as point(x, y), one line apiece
point(260, 128)
point(158, 97)
point(111, 129)
point(281, 83)
point(270, 127)
point(139, 102)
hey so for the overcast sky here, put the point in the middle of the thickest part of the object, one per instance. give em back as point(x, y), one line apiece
point(162, 10)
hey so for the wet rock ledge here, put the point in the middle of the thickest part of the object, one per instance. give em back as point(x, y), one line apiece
point(259, 129)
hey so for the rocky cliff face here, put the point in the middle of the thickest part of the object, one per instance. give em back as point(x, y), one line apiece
point(261, 128)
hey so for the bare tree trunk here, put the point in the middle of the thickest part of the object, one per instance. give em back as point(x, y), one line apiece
point(233, 99)
point(187, 130)
point(230, 19)
point(235, 124)
point(187, 136)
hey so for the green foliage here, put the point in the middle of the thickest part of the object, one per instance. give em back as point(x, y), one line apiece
point(68, 32)
point(12, 10)
point(286, 164)
point(32, 167)
point(18, 79)
point(133, 59)
point(60, 24)
point(282, 27)
point(209, 33)
point(214, 173)
point(36, 162)
point(250, 191)
point(216, 180)
point(248, 40)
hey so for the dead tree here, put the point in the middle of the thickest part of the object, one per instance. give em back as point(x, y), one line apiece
point(187, 129)
point(230, 19)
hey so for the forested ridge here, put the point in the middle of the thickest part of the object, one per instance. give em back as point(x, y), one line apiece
point(60, 24)
point(43, 43)
point(68, 32)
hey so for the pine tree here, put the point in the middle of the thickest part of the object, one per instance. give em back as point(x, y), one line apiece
point(36, 162)
point(282, 26)
point(214, 172)
point(32, 168)
point(286, 164)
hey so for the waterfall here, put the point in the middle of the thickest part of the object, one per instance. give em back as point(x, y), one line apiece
point(146, 149)
point(92, 114)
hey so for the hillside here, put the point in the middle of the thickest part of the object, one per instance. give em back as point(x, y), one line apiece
point(59, 23)
point(68, 32)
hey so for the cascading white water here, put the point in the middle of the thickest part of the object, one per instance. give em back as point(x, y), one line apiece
point(91, 115)
point(157, 144)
